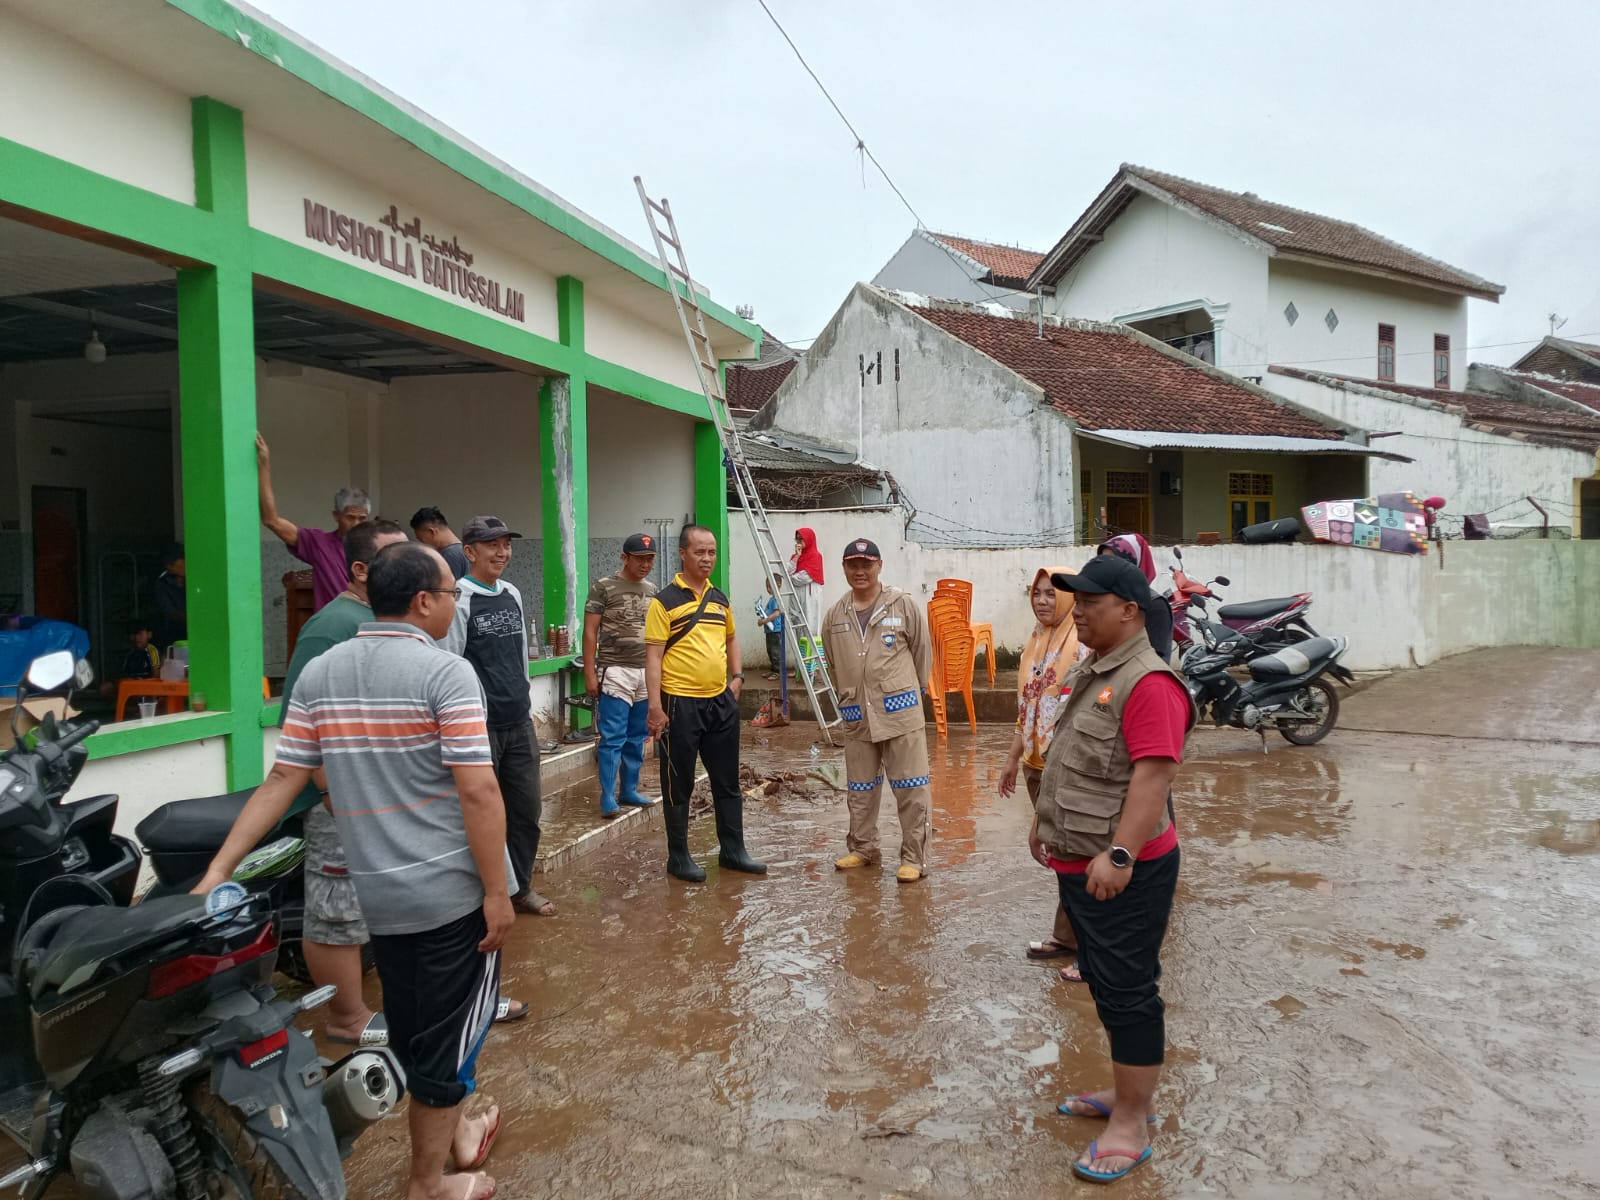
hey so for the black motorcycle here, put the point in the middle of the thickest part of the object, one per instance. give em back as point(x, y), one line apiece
point(1287, 691)
point(143, 1050)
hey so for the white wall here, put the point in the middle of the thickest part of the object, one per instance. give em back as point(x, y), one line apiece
point(59, 97)
point(1472, 470)
point(1397, 610)
point(968, 440)
point(621, 337)
point(922, 267)
point(1361, 303)
point(1154, 255)
point(641, 464)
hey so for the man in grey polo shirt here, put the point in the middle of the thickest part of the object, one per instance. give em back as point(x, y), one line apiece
point(399, 727)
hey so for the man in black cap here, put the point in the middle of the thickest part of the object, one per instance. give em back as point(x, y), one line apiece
point(1103, 822)
point(490, 631)
point(613, 671)
point(877, 640)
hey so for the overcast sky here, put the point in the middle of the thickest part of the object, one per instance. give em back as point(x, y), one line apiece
point(1464, 130)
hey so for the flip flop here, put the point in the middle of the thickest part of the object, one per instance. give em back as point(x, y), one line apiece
point(490, 1132)
point(533, 902)
point(1101, 1108)
point(374, 1033)
point(1075, 977)
point(1049, 948)
point(510, 1010)
point(1095, 1153)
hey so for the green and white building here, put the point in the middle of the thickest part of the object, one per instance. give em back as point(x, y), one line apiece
point(262, 238)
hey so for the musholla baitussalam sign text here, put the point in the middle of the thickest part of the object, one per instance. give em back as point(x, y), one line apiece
point(404, 249)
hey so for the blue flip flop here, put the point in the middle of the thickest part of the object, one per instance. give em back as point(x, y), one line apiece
point(1100, 1107)
point(1095, 1152)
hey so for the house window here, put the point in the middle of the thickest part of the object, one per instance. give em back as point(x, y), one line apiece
point(1441, 360)
point(1386, 352)
point(1249, 498)
point(1128, 502)
point(1086, 502)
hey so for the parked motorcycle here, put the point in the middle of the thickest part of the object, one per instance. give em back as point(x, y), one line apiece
point(183, 836)
point(1287, 690)
point(142, 1050)
point(1268, 623)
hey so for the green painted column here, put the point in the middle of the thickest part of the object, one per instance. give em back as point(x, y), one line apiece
point(564, 455)
point(217, 401)
point(711, 494)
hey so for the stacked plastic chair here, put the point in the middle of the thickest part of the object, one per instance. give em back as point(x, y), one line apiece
point(982, 631)
point(954, 656)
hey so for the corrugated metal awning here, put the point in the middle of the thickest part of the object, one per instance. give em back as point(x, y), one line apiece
point(1257, 443)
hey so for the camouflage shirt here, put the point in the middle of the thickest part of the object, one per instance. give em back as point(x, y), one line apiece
point(622, 605)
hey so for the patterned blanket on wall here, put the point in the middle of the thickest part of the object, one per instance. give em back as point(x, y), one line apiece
point(1392, 521)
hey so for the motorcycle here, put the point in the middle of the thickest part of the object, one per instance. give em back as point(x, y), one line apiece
point(183, 836)
point(1287, 690)
point(1268, 623)
point(143, 1050)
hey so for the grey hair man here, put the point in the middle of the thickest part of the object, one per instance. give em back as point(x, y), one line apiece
point(323, 549)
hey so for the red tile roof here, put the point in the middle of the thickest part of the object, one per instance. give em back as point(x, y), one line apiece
point(749, 387)
point(1293, 233)
point(1496, 413)
point(1008, 264)
point(1108, 377)
point(1558, 356)
point(1571, 389)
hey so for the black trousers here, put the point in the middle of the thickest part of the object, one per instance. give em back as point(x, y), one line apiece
point(704, 728)
point(516, 766)
point(1119, 952)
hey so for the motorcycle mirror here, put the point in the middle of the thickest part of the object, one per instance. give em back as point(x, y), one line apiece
point(1177, 553)
point(50, 671)
point(1223, 580)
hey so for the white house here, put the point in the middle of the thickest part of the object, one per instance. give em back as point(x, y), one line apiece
point(958, 268)
point(1244, 283)
point(1484, 453)
point(1001, 428)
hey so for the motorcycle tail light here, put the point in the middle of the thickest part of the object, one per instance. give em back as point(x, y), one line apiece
point(256, 1051)
point(169, 977)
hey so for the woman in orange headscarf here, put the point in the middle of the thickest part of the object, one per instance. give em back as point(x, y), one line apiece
point(1051, 650)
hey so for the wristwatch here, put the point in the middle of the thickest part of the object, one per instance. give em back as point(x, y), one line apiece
point(1121, 857)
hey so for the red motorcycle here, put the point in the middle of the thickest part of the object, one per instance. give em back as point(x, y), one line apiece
point(1268, 624)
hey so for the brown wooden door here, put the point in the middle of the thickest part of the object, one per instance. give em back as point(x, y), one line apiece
point(1128, 514)
point(59, 536)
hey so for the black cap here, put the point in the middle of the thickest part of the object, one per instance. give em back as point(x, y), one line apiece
point(485, 529)
point(1116, 575)
point(862, 548)
point(639, 543)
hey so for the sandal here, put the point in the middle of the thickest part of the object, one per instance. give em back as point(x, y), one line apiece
point(491, 1130)
point(1071, 974)
point(1050, 948)
point(533, 902)
point(374, 1033)
point(510, 1010)
point(479, 1186)
point(1096, 1154)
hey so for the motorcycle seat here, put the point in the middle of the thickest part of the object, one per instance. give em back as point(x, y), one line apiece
point(78, 940)
point(1254, 610)
point(1294, 660)
point(199, 824)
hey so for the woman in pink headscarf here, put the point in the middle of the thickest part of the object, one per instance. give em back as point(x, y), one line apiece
point(1135, 549)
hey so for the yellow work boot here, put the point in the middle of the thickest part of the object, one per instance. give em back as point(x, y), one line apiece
point(908, 874)
point(850, 861)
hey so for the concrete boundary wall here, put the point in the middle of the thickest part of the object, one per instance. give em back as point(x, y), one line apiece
point(1398, 610)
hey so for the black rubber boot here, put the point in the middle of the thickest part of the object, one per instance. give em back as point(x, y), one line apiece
point(679, 864)
point(730, 833)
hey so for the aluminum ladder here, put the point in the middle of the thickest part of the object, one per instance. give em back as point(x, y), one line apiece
point(805, 643)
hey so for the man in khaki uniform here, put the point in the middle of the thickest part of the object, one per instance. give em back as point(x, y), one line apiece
point(876, 637)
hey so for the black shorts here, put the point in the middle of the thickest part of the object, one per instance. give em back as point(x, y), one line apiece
point(439, 997)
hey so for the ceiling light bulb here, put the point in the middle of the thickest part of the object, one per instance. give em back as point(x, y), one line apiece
point(94, 349)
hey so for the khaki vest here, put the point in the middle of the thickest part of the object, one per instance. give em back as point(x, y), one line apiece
point(1087, 769)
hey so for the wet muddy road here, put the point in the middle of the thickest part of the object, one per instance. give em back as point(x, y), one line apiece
point(1381, 982)
point(1381, 979)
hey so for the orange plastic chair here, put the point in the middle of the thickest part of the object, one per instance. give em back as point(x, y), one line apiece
point(982, 631)
point(953, 673)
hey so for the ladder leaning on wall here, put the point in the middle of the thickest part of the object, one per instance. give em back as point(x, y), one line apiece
point(805, 644)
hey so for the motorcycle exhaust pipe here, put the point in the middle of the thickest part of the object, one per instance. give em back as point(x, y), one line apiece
point(360, 1090)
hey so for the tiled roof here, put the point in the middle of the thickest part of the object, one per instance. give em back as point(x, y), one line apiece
point(751, 386)
point(1291, 232)
point(1108, 377)
point(1008, 264)
point(1558, 356)
point(1571, 389)
point(1498, 414)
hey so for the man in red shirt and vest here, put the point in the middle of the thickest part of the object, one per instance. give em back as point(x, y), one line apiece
point(1103, 822)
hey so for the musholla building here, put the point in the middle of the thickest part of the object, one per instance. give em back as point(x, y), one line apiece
point(210, 228)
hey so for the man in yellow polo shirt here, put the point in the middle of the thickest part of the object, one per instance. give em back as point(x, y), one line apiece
point(693, 679)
